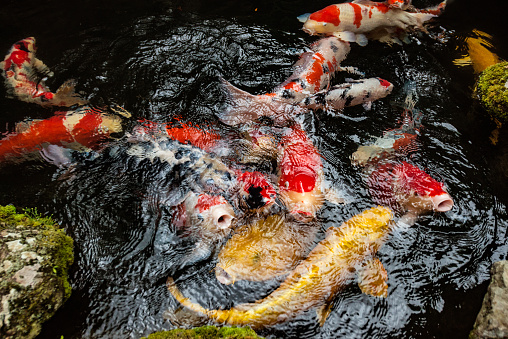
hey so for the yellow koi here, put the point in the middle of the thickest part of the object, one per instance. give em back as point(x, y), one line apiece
point(315, 282)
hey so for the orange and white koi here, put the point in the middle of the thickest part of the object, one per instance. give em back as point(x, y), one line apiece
point(314, 69)
point(346, 251)
point(81, 129)
point(24, 78)
point(312, 73)
point(361, 20)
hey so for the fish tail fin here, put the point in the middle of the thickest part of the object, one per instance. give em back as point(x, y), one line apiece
point(198, 315)
point(435, 10)
point(66, 95)
point(241, 108)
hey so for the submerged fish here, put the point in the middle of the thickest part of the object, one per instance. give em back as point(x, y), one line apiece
point(406, 188)
point(361, 20)
point(479, 52)
point(25, 74)
point(264, 249)
point(330, 266)
point(312, 73)
point(82, 129)
point(395, 142)
point(207, 218)
point(256, 192)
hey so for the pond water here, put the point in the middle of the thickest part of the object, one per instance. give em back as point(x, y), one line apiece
point(164, 59)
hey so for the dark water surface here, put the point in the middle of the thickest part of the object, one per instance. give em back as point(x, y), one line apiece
point(161, 59)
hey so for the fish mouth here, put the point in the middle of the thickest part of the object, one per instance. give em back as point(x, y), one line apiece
point(223, 277)
point(222, 217)
point(442, 202)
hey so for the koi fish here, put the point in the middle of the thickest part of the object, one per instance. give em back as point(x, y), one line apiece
point(256, 192)
point(330, 266)
point(300, 174)
point(406, 188)
point(25, 78)
point(312, 73)
point(479, 52)
point(314, 69)
point(395, 142)
point(82, 129)
point(361, 20)
point(264, 249)
point(207, 218)
point(354, 92)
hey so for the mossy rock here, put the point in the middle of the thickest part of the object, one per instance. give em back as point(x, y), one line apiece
point(492, 90)
point(207, 332)
point(35, 255)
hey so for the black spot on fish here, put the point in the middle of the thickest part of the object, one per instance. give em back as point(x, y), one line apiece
point(287, 94)
point(320, 98)
point(344, 94)
point(255, 199)
point(349, 100)
point(368, 95)
point(334, 47)
point(326, 69)
point(226, 176)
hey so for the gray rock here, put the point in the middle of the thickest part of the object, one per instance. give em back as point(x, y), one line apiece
point(492, 320)
point(34, 258)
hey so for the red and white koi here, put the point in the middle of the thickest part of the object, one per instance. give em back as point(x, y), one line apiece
point(395, 142)
point(314, 70)
point(407, 189)
point(25, 74)
point(300, 174)
point(81, 129)
point(361, 20)
point(208, 218)
point(312, 73)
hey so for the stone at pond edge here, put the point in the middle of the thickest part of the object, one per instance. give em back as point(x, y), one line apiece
point(34, 258)
point(207, 332)
point(492, 320)
point(492, 90)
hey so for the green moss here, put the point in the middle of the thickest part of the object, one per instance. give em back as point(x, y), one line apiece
point(31, 305)
point(492, 90)
point(29, 217)
point(207, 332)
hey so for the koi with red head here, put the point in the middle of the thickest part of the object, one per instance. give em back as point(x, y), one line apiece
point(300, 174)
point(206, 218)
point(25, 74)
point(406, 188)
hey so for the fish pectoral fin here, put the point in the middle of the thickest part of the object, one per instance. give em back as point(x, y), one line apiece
point(372, 278)
point(323, 312)
point(332, 196)
point(201, 251)
point(67, 94)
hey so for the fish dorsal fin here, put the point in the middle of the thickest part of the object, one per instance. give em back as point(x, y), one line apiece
point(372, 278)
point(365, 2)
